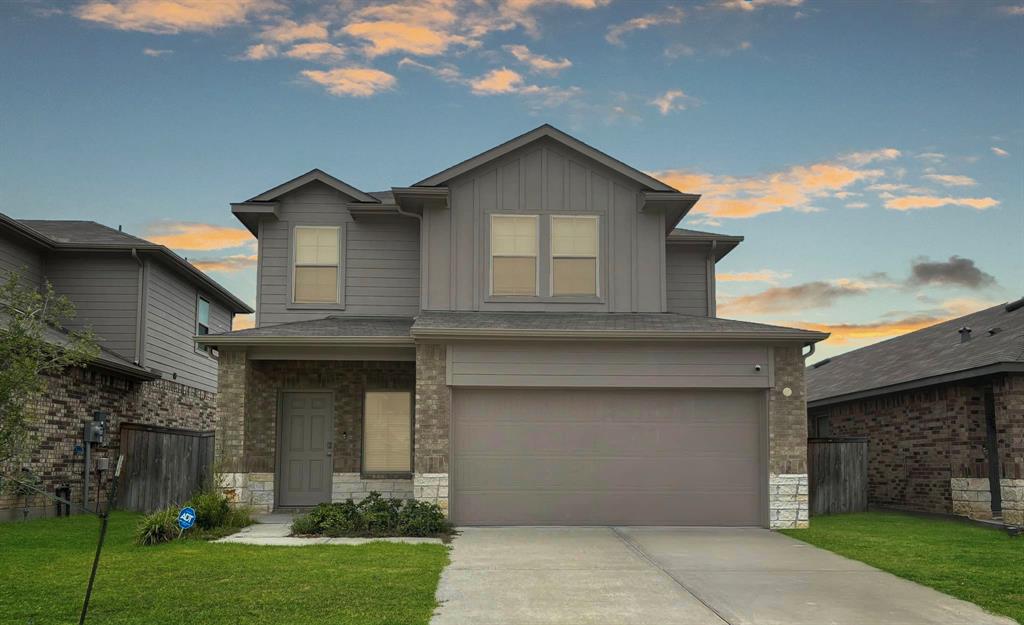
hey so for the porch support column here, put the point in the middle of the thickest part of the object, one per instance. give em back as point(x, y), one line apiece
point(229, 446)
point(788, 499)
point(433, 419)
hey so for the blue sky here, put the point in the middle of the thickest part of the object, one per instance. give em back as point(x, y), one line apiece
point(871, 153)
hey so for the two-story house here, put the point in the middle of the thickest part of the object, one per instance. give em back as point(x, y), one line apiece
point(145, 304)
point(523, 338)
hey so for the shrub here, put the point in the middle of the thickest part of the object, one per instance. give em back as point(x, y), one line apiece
point(374, 516)
point(380, 516)
point(158, 527)
point(422, 518)
point(304, 525)
point(211, 508)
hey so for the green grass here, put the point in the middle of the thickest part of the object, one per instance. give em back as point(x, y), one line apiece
point(44, 567)
point(976, 564)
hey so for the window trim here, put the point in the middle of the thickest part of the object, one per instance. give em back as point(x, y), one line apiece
point(596, 295)
point(536, 257)
point(208, 350)
point(339, 303)
point(363, 472)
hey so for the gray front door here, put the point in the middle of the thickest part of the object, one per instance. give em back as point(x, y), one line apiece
point(307, 431)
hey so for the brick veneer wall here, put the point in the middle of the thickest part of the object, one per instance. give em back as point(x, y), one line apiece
point(788, 502)
point(68, 403)
point(923, 442)
point(433, 425)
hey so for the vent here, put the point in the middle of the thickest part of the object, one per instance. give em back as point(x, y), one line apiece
point(994, 331)
point(1012, 306)
point(965, 334)
point(821, 363)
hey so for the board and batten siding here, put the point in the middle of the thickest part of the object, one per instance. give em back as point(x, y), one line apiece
point(170, 324)
point(608, 364)
point(105, 291)
point(19, 256)
point(380, 265)
point(546, 179)
point(686, 280)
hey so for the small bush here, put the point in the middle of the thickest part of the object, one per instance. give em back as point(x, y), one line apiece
point(158, 527)
point(373, 516)
point(211, 508)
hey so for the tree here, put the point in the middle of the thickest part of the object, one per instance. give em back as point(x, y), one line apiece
point(34, 343)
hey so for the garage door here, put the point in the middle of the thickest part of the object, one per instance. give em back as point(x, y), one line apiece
point(606, 457)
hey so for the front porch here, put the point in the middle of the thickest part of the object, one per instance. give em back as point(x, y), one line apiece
point(297, 429)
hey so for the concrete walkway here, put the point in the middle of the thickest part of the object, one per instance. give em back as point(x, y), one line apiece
point(685, 576)
point(275, 530)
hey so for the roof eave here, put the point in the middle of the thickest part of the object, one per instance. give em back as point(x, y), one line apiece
point(615, 335)
point(250, 213)
point(310, 176)
point(242, 341)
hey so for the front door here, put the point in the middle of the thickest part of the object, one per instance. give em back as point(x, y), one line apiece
point(307, 431)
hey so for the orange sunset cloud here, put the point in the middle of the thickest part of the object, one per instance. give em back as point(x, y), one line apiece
point(197, 236)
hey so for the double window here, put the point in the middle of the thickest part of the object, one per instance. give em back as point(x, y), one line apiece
point(387, 432)
point(317, 259)
point(574, 255)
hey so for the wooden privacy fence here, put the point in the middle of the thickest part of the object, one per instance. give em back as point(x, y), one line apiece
point(162, 466)
point(837, 475)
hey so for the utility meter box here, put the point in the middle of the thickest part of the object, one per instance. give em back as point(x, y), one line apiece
point(95, 432)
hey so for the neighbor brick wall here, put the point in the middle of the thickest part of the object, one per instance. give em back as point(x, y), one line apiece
point(68, 403)
point(920, 440)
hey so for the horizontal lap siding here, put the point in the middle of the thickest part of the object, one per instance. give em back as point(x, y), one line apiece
point(104, 289)
point(686, 281)
point(170, 326)
point(608, 364)
point(381, 259)
point(22, 258)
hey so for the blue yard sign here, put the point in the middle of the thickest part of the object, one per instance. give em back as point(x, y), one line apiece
point(186, 518)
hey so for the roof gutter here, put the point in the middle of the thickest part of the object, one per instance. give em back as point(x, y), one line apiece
point(350, 341)
point(561, 335)
point(140, 308)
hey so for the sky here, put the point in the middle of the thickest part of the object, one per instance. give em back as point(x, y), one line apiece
point(872, 153)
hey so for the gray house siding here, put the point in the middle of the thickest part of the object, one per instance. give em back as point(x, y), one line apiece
point(105, 291)
point(18, 256)
point(608, 365)
point(686, 280)
point(170, 323)
point(380, 265)
point(544, 178)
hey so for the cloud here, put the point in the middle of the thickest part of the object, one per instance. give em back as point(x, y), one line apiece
point(888, 326)
point(316, 51)
point(155, 52)
point(753, 5)
point(818, 294)
point(227, 264)
point(865, 158)
point(677, 50)
point(794, 188)
point(287, 31)
point(672, 15)
point(386, 37)
point(1012, 9)
point(258, 52)
point(174, 16)
point(914, 202)
point(359, 82)
point(502, 80)
point(537, 63)
point(857, 205)
point(957, 271)
point(951, 180)
point(183, 235)
point(446, 72)
point(762, 275)
point(933, 157)
point(673, 100)
point(999, 151)
point(243, 322)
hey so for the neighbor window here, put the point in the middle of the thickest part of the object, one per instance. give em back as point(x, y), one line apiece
point(202, 316)
point(574, 243)
point(316, 265)
point(513, 254)
point(387, 432)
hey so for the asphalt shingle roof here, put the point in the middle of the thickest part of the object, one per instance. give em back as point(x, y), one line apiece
point(334, 326)
point(932, 351)
point(85, 232)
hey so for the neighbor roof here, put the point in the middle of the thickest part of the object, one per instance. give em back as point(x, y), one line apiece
point(333, 329)
point(600, 325)
point(549, 131)
point(929, 356)
point(723, 243)
point(71, 235)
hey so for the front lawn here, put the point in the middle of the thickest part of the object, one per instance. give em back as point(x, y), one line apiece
point(44, 566)
point(976, 564)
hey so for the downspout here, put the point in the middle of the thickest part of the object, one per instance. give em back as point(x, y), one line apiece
point(709, 271)
point(139, 308)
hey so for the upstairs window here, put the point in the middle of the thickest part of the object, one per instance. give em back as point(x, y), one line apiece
point(574, 245)
point(202, 316)
point(317, 257)
point(514, 255)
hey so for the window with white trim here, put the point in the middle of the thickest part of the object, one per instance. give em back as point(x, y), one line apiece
point(202, 315)
point(514, 255)
point(574, 252)
point(317, 257)
point(387, 432)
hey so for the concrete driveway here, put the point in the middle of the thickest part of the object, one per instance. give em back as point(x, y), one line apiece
point(685, 576)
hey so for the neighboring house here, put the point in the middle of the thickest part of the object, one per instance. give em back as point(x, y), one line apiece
point(943, 411)
point(145, 304)
point(523, 338)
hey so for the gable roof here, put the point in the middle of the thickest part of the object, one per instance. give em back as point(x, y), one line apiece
point(312, 175)
point(722, 243)
point(73, 235)
point(549, 131)
point(929, 356)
